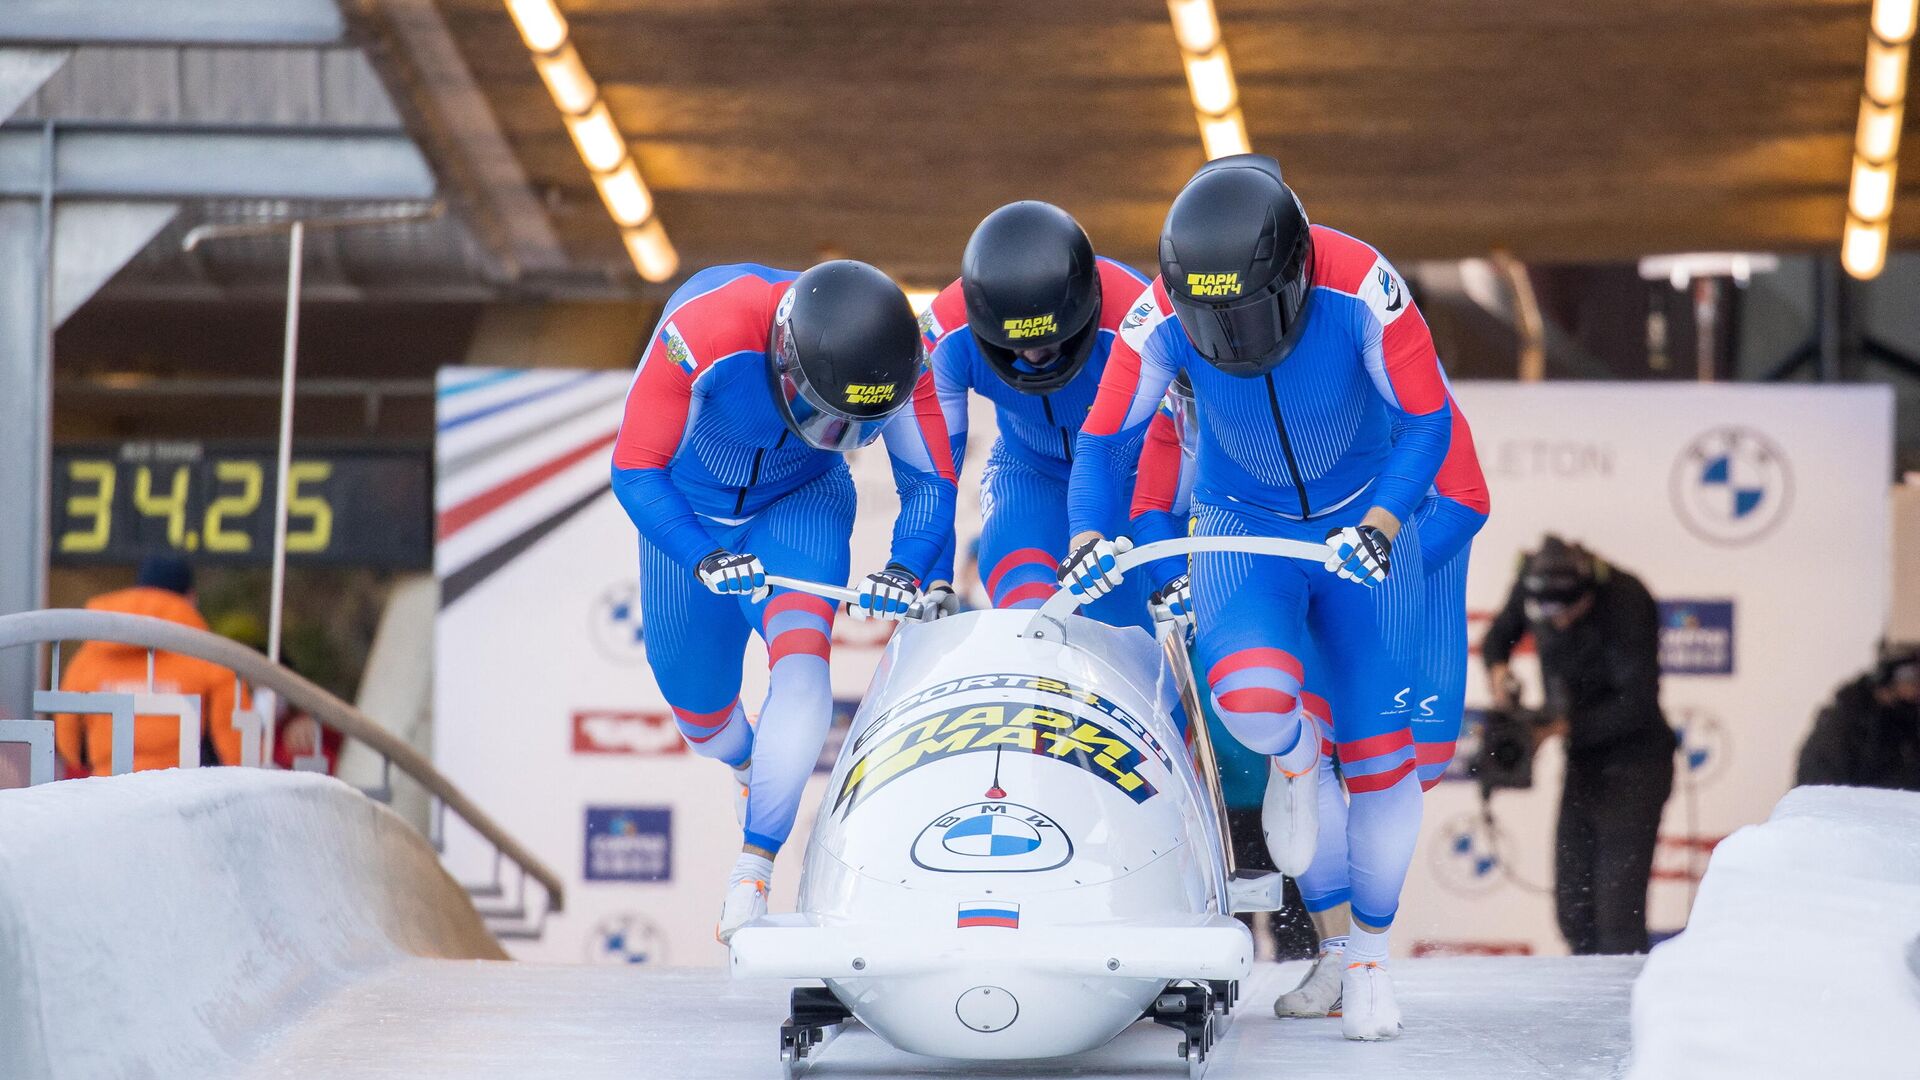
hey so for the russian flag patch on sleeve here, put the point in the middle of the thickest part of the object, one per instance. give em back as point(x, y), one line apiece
point(988, 913)
point(677, 350)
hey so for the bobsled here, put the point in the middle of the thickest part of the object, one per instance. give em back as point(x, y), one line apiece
point(1020, 853)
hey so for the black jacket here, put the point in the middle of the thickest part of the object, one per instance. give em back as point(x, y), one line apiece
point(1859, 742)
point(1603, 672)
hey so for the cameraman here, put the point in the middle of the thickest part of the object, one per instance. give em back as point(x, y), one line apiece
point(1596, 629)
point(1869, 735)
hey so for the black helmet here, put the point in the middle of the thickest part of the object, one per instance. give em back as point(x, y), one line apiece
point(1556, 577)
point(846, 352)
point(1236, 256)
point(1031, 283)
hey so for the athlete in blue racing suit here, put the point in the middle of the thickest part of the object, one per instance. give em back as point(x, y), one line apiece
point(1326, 419)
point(729, 461)
point(1028, 326)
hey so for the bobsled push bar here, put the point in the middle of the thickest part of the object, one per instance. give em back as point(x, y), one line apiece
point(839, 594)
point(1046, 622)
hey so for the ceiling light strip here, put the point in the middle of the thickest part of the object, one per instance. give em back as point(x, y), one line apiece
point(1216, 98)
point(597, 138)
point(1876, 138)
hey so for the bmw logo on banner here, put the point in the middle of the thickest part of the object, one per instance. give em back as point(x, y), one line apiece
point(991, 837)
point(1731, 486)
point(614, 624)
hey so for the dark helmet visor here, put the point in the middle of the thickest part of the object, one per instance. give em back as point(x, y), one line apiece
point(810, 412)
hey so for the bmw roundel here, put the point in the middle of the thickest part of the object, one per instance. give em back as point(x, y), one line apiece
point(1731, 485)
point(991, 837)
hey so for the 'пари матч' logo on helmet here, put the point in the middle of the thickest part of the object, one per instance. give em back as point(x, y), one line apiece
point(1213, 284)
point(1037, 326)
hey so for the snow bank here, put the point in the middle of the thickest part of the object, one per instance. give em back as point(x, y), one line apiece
point(1795, 962)
point(165, 923)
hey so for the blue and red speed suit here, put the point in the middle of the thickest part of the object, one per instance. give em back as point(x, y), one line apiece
point(1448, 518)
point(1356, 417)
point(704, 461)
point(1023, 489)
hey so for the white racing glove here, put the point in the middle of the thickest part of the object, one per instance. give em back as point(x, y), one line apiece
point(1359, 553)
point(734, 575)
point(1173, 603)
point(886, 594)
point(1089, 573)
point(938, 602)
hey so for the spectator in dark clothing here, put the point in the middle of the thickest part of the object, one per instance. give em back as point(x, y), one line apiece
point(1869, 735)
point(1597, 631)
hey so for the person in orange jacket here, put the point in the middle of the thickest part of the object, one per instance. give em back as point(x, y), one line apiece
point(85, 741)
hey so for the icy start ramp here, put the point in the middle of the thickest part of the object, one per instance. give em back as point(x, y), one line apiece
point(1496, 1018)
point(170, 923)
point(1799, 958)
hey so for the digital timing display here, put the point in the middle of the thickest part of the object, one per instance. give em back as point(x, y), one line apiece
point(213, 502)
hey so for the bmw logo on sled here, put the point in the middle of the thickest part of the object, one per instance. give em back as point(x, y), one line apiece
point(1018, 855)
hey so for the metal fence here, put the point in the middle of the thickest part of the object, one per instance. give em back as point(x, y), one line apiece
point(508, 913)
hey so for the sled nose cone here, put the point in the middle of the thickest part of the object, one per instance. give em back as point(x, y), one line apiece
point(987, 1008)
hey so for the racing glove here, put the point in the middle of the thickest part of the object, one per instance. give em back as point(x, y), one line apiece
point(1359, 553)
point(886, 594)
point(938, 602)
point(1089, 572)
point(1173, 603)
point(734, 575)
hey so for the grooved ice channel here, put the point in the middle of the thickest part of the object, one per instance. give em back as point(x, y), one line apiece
point(1467, 1019)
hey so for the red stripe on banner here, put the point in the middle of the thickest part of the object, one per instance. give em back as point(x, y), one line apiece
point(798, 601)
point(1257, 699)
point(1032, 590)
point(1013, 560)
point(1375, 745)
point(798, 643)
point(984, 920)
point(1246, 658)
point(1358, 785)
point(462, 514)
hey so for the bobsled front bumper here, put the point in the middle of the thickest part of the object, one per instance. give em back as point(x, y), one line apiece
point(797, 947)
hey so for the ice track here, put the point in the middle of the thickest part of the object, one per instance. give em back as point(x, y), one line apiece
point(1469, 1019)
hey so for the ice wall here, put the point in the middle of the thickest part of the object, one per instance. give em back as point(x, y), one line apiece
point(168, 923)
point(1795, 961)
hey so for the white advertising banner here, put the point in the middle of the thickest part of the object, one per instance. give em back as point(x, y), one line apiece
point(1757, 516)
point(544, 708)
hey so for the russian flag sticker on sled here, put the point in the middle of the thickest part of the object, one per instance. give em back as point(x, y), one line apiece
point(989, 913)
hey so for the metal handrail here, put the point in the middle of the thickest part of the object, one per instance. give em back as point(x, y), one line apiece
point(73, 624)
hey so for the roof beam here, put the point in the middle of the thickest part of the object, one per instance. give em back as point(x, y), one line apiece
point(169, 162)
point(171, 22)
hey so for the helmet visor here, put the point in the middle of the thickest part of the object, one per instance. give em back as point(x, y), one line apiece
point(809, 410)
point(1251, 336)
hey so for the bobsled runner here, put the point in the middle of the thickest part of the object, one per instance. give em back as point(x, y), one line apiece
point(1019, 854)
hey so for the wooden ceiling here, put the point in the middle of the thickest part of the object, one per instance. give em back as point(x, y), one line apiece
point(780, 131)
